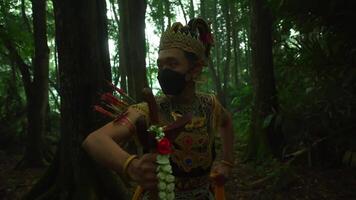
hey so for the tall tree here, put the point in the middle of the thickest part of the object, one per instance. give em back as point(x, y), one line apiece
point(227, 50)
point(35, 81)
point(265, 99)
point(81, 34)
point(183, 10)
point(132, 47)
point(191, 9)
point(167, 12)
point(235, 42)
point(203, 9)
point(247, 38)
point(214, 61)
point(161, 14)
point(120, 72)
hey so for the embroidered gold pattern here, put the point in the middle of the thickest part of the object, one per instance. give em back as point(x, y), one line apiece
point(172, 38)
point(193, 147)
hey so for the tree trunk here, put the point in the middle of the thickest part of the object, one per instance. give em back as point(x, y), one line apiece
point(262, 138)
point(36, 88)
point(183, 11)
point(123, 53)
point(24, 16)
point(120, 71)
point(84, 67)
point(247, 52)
point(203, 9)
point(227, 48)
point(38, 101)
point(123, 65)
point(162, 14)
point(167, 11)
point(151, 77)
point(191, 9)
point(214, 67)
point(216, 79)
point(235, 44)
point(132, 48)
point(248, 42)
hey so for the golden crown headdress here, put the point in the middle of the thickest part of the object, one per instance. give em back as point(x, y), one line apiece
point(185, 40)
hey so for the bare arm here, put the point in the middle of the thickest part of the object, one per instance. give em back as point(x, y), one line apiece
point(226, 133)
point(227, 136)
point(102, 144)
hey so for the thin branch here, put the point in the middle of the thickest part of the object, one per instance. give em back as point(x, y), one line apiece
point(24, 16)
point(53, 95)
point(54, 85)
point(117, 20)
point(191, 9)
point(184, 14)
point(115, 15)
point(55, 53)
point(167, 11)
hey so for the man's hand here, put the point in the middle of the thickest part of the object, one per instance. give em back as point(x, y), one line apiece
point(143, 171)
point(220, 173)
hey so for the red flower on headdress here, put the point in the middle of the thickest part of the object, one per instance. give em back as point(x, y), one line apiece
point(164, 146)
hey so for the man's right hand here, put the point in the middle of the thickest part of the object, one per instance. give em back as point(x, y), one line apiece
point(143, 171)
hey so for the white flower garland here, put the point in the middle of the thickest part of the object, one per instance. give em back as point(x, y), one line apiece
point(164, 168)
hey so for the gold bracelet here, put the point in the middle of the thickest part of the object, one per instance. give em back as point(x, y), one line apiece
point(127, 163)
point(230, 164)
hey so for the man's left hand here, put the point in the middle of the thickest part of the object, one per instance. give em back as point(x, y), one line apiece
point(221, 170)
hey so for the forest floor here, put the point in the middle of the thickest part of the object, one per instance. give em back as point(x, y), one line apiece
point(248, 182)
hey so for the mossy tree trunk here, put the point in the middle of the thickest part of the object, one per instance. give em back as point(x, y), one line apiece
point(35, 81)
point(81, 35)
point(132, 47)
point(262, 137)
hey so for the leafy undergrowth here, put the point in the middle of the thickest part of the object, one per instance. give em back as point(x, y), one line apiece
point(15, 183)
point(280, 181)
point(267, 182)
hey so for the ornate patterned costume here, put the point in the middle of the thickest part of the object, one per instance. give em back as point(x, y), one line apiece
point(193, 150)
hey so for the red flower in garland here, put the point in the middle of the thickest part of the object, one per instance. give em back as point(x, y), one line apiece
point(164, 146)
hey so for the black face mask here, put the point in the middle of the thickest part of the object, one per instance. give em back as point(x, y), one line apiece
point(172, 82)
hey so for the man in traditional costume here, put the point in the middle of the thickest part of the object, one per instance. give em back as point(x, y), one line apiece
point(183, 52)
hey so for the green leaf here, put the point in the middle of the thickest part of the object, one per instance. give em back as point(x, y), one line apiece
point(268, 120)
point(309, 89)
point(347, 157)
